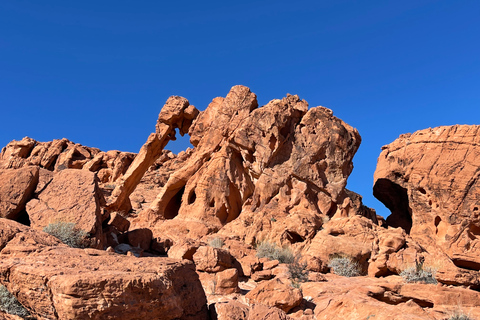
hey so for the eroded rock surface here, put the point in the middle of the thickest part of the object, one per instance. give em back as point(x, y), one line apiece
point(276, 172)
point(429, 180)
point(54, 281)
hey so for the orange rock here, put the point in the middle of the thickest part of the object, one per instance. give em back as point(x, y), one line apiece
point(176, 113)
point(429, 180)
point(16, 188)
point(227, 281)
point(58, 282)
point(276, 293)
point(6, 316)
point(140, 238)
point(183, 249)
point(351, 237)
point(72, 196)
point(229, 310)
point(210, 259)
point(263, 312)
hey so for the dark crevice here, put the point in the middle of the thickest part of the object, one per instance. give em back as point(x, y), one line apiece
point(293, 237)
point(192, 196)
point(23, 218)
point(466, 264)
point(172, 207)
point(395, 198)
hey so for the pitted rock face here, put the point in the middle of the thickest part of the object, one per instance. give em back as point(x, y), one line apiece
point(430, 182)
point(249, 162)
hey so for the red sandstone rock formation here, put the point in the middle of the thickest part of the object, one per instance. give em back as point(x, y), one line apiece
point(58, 282)
point(429, 180)
point(276, 172)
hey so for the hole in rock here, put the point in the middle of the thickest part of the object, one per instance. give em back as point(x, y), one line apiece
point(475, 209)
point(235, 203)
point(422, 191)
point(179, 143)
point(192, 196)
point(437, 221)
point(395, 198)
point(171, 209)
point(273, 141)
point(293, 237)
point(212, 203)
point(222, 214)
point(23, 218)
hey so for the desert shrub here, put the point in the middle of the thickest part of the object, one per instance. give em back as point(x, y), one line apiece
point(216, 243)
point(344, 266)
point(10, 304)
point(266, 249)
point(459, 315)
point(68, 233)
point(419, 273)
point(297, 271)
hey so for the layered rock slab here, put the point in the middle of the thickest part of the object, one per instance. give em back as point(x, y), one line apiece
point(54, 281)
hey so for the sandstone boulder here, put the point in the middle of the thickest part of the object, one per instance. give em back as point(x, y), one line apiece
point(263, 312)
point(229, 310)
point(276, 293)
point(54, 281)
point(72, 196)
point(210, 259)
point(351, 237)
point(16, 189)
point(226, 282)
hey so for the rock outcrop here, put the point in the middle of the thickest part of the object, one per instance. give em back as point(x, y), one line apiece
point(429, 180)
point(58, 282)
point(273, 175)
point(251, 166)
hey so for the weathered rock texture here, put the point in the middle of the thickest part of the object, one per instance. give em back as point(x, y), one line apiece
point(429, 180)
point(252, 166)
point(58, 282)
point(277, 173)
point(16, 188)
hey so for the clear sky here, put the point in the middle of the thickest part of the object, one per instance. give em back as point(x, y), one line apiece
point(98, 72)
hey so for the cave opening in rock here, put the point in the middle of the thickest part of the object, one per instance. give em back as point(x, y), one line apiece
point(192, 196)
point(395, 198)
point(172, 207)
point(23, 218)
point(293, 237)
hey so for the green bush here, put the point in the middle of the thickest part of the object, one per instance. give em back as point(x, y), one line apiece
point(216, 243)
point(419, 273)
point(68, 233)
point(266, 249)
point(344, 266)
point(10, 304)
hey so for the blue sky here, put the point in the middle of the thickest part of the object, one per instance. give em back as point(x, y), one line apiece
point(98, 72)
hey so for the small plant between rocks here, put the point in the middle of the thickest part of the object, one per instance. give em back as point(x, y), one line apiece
point(10, 304)
point(344, 266)
point(216, 243)
point(419, 273)
point(267, 249)
point(68, 233)
point(297, 271)
point(460, 315)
